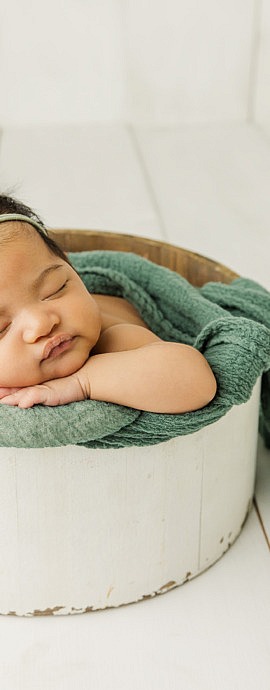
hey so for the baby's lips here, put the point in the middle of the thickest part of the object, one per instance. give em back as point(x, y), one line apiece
point(53, 342)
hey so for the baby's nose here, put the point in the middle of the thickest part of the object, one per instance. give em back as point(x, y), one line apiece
point(37, 324)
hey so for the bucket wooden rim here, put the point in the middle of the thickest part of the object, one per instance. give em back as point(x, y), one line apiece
point(195, 267)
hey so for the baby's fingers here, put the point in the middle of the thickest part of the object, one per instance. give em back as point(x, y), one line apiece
point(24, 397)
point(7, 391)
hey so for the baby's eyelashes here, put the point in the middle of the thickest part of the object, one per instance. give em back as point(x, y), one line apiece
point(56, 291)
point(3, 329)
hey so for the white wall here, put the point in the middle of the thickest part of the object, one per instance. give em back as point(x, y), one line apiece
point(61, 61)
point(188, 60)
point(141, 61)
point(262, 58)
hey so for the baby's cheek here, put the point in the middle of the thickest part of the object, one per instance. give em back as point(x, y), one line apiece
point(25, 377)
point(18, 371)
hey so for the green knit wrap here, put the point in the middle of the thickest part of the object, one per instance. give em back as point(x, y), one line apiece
point(229, 324)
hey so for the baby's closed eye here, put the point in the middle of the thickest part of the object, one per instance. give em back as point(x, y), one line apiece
point(55, 292)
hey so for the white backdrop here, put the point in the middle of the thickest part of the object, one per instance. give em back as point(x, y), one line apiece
point(143, 61)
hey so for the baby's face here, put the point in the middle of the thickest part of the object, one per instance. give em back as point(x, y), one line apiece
point(48, 320)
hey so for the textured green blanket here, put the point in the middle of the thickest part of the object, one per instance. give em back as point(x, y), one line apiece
point(229, 324)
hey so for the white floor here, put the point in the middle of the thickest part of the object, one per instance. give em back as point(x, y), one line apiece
point(205, 188)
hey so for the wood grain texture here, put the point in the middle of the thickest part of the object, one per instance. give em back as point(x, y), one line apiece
point(197, 269)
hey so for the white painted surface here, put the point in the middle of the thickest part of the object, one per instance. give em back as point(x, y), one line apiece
point(228, 476)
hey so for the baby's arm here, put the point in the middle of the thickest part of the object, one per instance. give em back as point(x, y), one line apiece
point(157, 377)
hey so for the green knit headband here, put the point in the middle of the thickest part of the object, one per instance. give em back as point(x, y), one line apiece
point(18, 216)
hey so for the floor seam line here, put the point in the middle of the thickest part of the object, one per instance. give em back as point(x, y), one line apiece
point(261, 522)
point(147, 180)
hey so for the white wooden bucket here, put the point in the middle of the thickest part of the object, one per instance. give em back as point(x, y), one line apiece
point(84, 529)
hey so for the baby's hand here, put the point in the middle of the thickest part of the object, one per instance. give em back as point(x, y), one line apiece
point(7, 391)
point(55, 392)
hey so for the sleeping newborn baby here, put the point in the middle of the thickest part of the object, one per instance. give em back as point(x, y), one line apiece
point(60, 344)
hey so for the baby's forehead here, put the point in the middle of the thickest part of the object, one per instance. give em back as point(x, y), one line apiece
point(14, 230)
point(34, 246)
point(21, 242)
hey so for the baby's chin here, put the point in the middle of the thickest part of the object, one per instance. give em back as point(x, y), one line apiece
point(60, 369)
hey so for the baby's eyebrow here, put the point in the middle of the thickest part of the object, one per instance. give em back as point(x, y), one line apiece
point(39, 280)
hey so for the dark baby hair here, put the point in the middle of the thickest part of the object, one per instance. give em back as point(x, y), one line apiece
point(9, 204)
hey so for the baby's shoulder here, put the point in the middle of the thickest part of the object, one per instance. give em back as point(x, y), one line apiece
point(122, 328)
point(124, 336)
point(117, 310)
